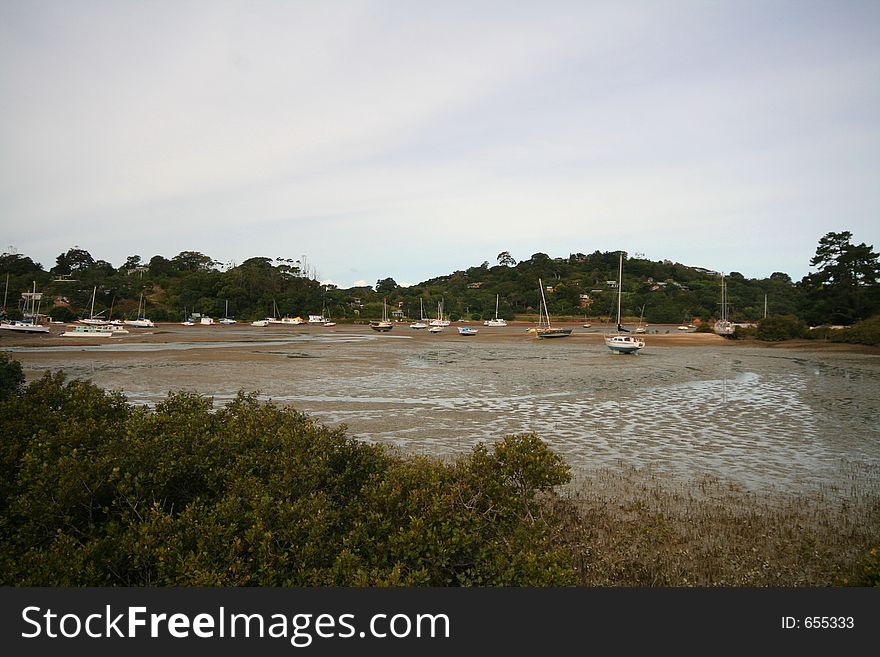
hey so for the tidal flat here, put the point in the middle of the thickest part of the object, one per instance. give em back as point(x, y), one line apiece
point(691, 406)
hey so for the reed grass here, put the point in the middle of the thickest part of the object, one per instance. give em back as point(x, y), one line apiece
point(633, 527)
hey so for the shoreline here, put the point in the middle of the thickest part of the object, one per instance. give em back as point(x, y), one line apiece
point(172, 332)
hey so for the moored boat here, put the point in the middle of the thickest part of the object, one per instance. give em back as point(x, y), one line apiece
point(622, 342)
point(544, 329)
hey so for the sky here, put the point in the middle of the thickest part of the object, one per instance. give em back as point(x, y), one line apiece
point(412, 139)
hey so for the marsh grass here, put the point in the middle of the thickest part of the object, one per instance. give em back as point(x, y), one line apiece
point(633, 527)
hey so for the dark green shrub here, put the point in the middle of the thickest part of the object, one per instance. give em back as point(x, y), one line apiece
point(776, 328)
point(97, 493)
point(11, 376)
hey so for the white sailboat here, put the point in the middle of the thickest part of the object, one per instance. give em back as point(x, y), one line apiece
point(440, 321)
point(141, 321)
point(724, 326)
point(421, 324)
point(383, 325)
point(92, 319)
point(226, 319)
point(497, 321)
point(274, 318)
point(30, 323)
point(622, 342)
point(545, 330)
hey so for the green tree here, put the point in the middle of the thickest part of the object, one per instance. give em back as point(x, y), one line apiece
point(505, 259)
point(845, 287)
point(386, 285)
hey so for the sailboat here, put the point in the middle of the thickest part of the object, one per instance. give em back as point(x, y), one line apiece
point(328, 322)
point(274, 318)
point(440, 321)
point(141, 321)
point(226, 319)
point(497, 321)
point(92, 319)
point(724, 326)
point(421, 323)
point(621, 342)
point(384, 325)
point(30, 322)
point(545, 330)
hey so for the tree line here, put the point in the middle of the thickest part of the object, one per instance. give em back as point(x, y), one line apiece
point(843, 289)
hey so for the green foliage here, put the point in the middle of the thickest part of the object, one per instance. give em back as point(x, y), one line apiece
point(843, 291)
point(62, 314)
point(94, 492)
point(845, 288)
point(11, 376)
point(781, 327)
point(865, 332)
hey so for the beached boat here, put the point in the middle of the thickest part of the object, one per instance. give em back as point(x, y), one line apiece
point(260, 322)
point(93, 331)
point(421, 324)
point(440, 321)
point(206, 321)
point(435, 329)
point(226, 319)
point(383, 325)
point(544, 328)
point(140, 321)
point(93, 319)
point(30, 323)
point(622, 342)
point(724, 326)
point(496, 321)
point(467, 330)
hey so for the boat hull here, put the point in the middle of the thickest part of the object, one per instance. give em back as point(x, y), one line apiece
point(553, 333)
point(624, 344)
point(25, 328)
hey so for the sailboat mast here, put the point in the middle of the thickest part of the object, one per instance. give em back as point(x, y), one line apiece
point(619, 287)
point(544, 303)
point(765, 306)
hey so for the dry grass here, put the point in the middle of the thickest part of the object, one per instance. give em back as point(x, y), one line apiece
point(629, 527)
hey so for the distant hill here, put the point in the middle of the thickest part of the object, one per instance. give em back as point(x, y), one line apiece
point(579, 285)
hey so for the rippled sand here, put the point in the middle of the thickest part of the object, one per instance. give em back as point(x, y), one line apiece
point(784, 419)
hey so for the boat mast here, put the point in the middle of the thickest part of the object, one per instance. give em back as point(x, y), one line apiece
point(496, 306)
point(619, 288)
point(544, 303)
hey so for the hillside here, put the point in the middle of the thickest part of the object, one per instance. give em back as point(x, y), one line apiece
point(576, 286)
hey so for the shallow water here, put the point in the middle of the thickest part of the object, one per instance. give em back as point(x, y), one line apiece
point(767, 419)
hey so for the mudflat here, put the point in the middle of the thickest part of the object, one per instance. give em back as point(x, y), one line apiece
point(784, 418)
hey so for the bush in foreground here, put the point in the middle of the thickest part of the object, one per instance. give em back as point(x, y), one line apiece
point(95, 492)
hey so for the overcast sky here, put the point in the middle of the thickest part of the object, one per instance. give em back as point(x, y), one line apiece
point(410, 139)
